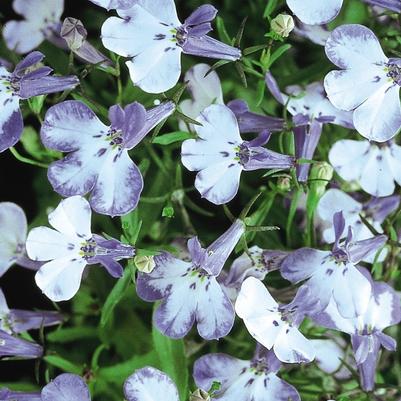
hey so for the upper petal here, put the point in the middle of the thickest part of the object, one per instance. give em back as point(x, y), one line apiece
point(70, 125)
point(315, 12)
point(72, 217)
point(354, 46)
point(22, 36)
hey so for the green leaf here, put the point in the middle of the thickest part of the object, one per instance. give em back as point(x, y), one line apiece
point(270, 7)
point(115, 296)
point(221, 31)
point(176, 136)
point(172, 360)
point(36, 103)
point(63, 364)
point(70, 334)
point(278, 53)
point(131, 225)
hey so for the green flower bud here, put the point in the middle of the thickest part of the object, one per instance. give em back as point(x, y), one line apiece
point(199, 395)
point(144, 264)
point(283, 24)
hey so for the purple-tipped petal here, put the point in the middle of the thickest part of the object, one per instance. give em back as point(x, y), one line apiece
point(135, 117)
point(9, 395)
point(315, 12)
point(204, 13)
point(361, 249)
point(273, 87)
point(45, 85)
point(22, 320)
point(150, 384)
point(27, 62)
point(66, 387)
point(393, 5)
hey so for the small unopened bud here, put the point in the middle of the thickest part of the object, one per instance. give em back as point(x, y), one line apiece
point(284, 184)
point(199, 395)
point(321, 171)
point(144, 264)
point(74, 33)
point(283, 24)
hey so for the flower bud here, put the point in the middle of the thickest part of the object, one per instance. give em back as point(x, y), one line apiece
point(199, 395)
point(144, 264)
point(284, 184)
point(283, 24)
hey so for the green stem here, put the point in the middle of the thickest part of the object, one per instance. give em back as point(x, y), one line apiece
point(26, 160)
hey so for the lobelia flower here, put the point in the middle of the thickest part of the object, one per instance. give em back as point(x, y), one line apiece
point(69, 247)
point(204, 89)
point(29, 79)
point(272, 325)
point(375, 211)
point(367, 337)
point(151, 34)
point(257, 263)
point(220, 154)
point(14, 347)
point(334, 274)
point(241, 380)
point(99, 161)
point(66, 387)
point(368, 83)
point(310, 109)
point(75, 34)
point(374, 166)
point(189, 290)
point(13, 230)
point(17, 321)
point(315, 12)
point(150, 384)
point(41, 21)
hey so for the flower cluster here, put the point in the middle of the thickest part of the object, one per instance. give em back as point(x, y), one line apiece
point(321, 292)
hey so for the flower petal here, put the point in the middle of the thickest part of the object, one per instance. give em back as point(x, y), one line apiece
point(43, 244)
point(118, 185)
point(314, 12)
point(379, 118)
point(66, 387)
point(60, 279)
point(150, 384)
point(23, 36)
point(70, 125)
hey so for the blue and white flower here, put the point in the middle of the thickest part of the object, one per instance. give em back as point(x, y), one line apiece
point(151, 34)
point(368, 82)
point(69, 248)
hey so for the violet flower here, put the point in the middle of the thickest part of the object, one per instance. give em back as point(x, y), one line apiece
point(17, 321)
point(249, 121)
point(189, 290)
point(317, 34)
point(272, 325)
point(393, 5)
point(13, 231)
point(367, 337)
point(368, 83)
point(29, 79)
point(150, 384)
point(41, 21)
point(151, 34)
point(374, 166)
point(310, 109)
point(220, 155)
point(99, 161)
point(315, 12)
point(244, 380)
point(70, 247)
point(334, 274)
point(375, 211)
point(15, 347)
